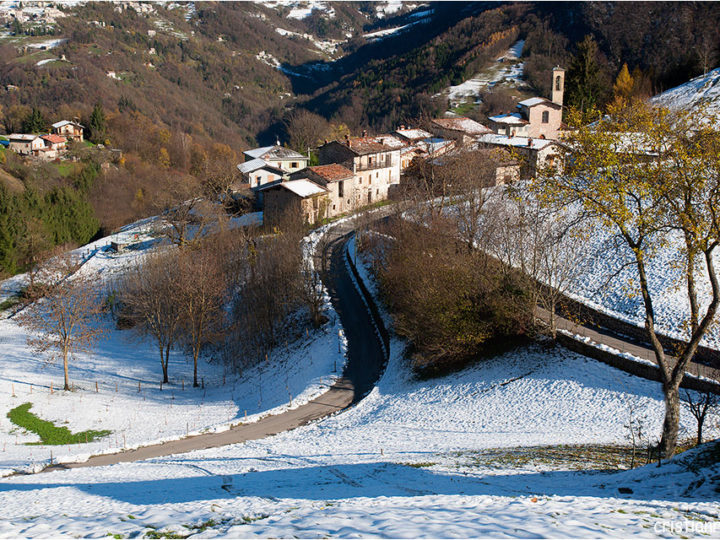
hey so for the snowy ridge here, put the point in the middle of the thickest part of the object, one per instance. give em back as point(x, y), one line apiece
point(700, 91)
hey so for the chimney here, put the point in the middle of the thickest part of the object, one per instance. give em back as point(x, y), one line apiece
point(347, 140)
point(364, 133)
point(558, 85)
point(529, 143)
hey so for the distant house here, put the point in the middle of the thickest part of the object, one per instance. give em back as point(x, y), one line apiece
point(534, 153)
point(279, 157)
point(410, 135)
point(295, 198)
point(340, 183)
point(54, 142)
point(257, 173)
point(72, 131)
point(536, 117)
point(375, 165)
point(25, 145)
point(460, 129)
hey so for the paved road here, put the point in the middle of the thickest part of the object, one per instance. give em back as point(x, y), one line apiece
point(366, 361)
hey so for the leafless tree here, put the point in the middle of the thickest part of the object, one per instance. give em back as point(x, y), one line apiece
point(66, 320)
point(201, 292)
point(148, 294)
point(702, 403)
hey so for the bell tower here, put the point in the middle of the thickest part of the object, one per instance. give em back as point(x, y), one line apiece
point(558, 85)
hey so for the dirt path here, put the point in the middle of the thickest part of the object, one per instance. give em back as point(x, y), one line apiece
point(366, 361)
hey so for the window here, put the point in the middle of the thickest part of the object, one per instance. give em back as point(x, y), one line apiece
point(558, 83)
point(545, 117)
point(377, 175)
point(293, 164)
point(258, 179)
point(370, 179)
point(341, 189)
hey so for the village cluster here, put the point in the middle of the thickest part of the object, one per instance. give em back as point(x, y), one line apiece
point(359, 171)
point(49, 146)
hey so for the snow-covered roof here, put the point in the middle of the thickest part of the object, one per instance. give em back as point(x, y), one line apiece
point(22, 137)
point(413, 134)
point(273, 152)
point(62, 123)
point(302, 188)
point(531, 102)
point(255, 165)
point(390, 141)
point(462, 123)
point(526, 142)
point(512, 119)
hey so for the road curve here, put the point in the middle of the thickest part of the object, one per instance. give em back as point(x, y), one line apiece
point(366, 361)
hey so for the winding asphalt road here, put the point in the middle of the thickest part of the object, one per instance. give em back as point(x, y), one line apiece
point(366, 362)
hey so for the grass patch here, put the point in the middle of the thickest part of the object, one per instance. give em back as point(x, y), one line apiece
point(464, 108)
point(9, 303)
point(48, 432)
point(66, 168)
point(559, 457)
point(422, 465)
point(164, 534)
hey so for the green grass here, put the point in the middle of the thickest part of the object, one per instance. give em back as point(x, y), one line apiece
point(9, 303)
point(48, 432)
point(464, 108)
point(66, 168)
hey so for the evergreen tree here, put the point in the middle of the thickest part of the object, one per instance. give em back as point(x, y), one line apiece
point(34, 122)
point(97, 124)
point(584, 87)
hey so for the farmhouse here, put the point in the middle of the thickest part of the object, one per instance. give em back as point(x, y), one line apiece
point(535, 153)
point(343, 195)
point(375, 165)
point(72, 131)
point(460, 129)
point(257, 173)
point(279, 157)
point(289, 199)
point(25, 145)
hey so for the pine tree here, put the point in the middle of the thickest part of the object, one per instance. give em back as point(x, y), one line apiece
point(34, 122)
point(97, 124)
point(583, 78)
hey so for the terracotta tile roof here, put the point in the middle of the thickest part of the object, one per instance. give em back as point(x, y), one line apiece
point(54, 139)
point(332, 172)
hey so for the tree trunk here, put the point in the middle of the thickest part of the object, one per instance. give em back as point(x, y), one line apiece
point(701, 421)
point(196, 352)
point(671, 424)
point(166, 362)
point(65, 368)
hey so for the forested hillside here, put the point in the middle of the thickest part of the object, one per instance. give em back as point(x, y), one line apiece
point(180, 89)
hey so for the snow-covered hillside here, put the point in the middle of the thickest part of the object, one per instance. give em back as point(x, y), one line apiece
point(702, 90)
point(507, 69)
point(414, 459)
point(117, 385)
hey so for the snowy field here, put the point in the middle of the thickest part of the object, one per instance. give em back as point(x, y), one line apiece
point(507, 68)
point(404, 462)
point(126, 369)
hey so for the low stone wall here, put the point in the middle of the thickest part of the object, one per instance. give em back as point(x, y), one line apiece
point(628, 365)
point(570, 308)
point(374, 311)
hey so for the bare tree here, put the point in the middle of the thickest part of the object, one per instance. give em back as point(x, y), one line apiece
point(148, 294)
point(643, 173)
point(201, 293)
point(702, 403)
point(66, 320)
